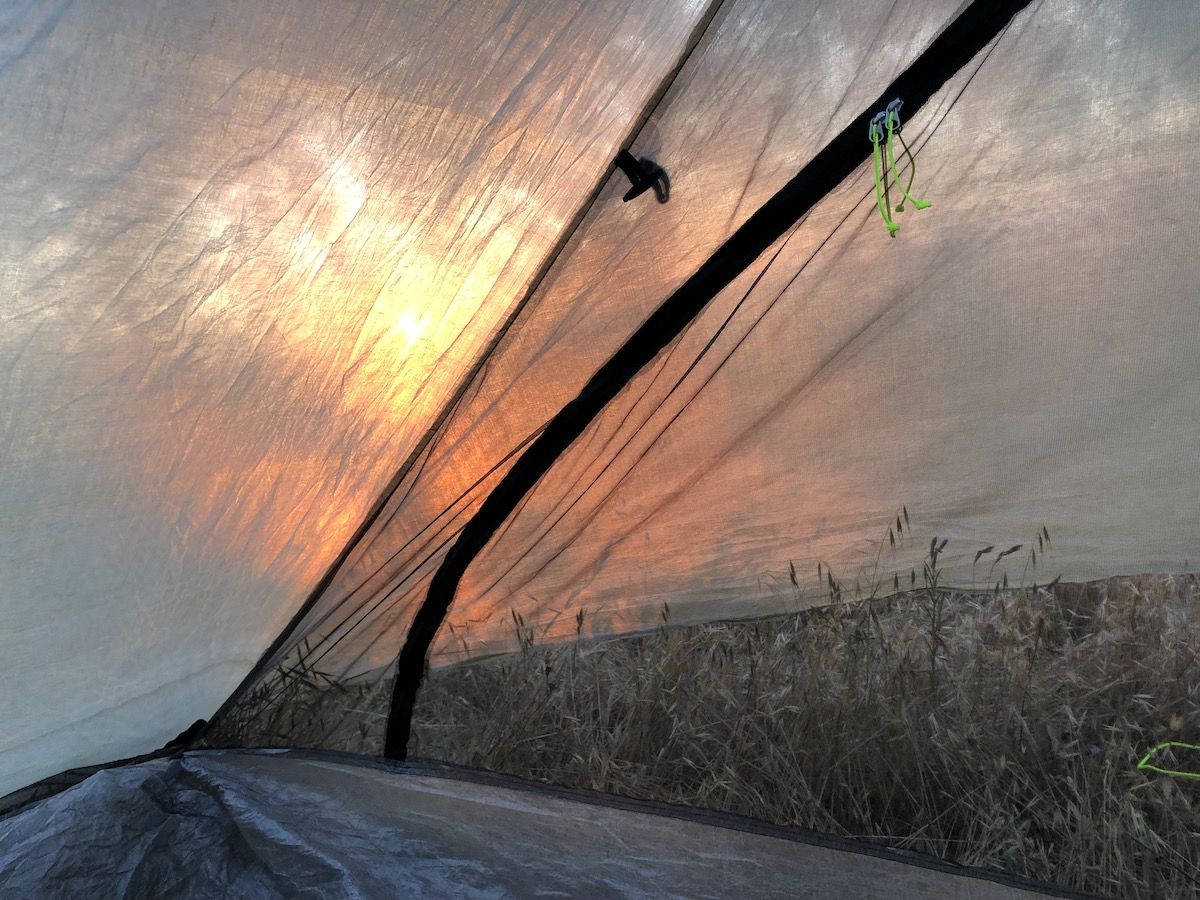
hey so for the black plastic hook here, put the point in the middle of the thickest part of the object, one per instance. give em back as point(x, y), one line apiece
point(643, 174)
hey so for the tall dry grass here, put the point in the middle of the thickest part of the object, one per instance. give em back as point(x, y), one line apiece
point(299, 705)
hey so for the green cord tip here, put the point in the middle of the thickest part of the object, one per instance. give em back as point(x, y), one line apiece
point(1145, 765)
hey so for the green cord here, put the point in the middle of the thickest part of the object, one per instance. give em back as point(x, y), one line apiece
point(887, 197)
point(883, 153)
point(1144, 763)
point(892, 121)
point(882, 199)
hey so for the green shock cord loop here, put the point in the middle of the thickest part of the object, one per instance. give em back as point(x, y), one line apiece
point(893, 132)
point(882, 198)
point(883, 153)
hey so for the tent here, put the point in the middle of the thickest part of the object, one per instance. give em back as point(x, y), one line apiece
point(330, 338)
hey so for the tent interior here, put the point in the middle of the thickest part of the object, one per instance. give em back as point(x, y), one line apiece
point(392, 380)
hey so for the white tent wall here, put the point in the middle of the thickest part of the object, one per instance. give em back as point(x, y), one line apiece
point(1021, 355)
point(247, 251)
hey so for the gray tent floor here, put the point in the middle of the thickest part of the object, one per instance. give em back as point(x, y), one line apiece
point(283, 824)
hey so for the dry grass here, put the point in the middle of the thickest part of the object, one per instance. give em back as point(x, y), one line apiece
point(999, 729)
point(297, 705)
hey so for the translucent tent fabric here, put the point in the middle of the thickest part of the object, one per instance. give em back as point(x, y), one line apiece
point(247, 252)
point(1021, 356)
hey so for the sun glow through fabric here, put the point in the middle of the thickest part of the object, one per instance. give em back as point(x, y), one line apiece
point(247, 253)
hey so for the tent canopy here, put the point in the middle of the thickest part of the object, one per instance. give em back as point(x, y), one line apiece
point(288, 289)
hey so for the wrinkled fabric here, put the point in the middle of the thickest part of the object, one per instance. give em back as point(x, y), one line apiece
point(247, 253)
point(251, 254)
point(233, 825)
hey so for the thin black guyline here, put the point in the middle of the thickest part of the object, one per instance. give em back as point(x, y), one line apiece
point(949, 52)
point(637, 429)
point(686, 405)
point(645, 451)
point(678, 383)
point(417, 535)
point(695, 362)
point(532, 435)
